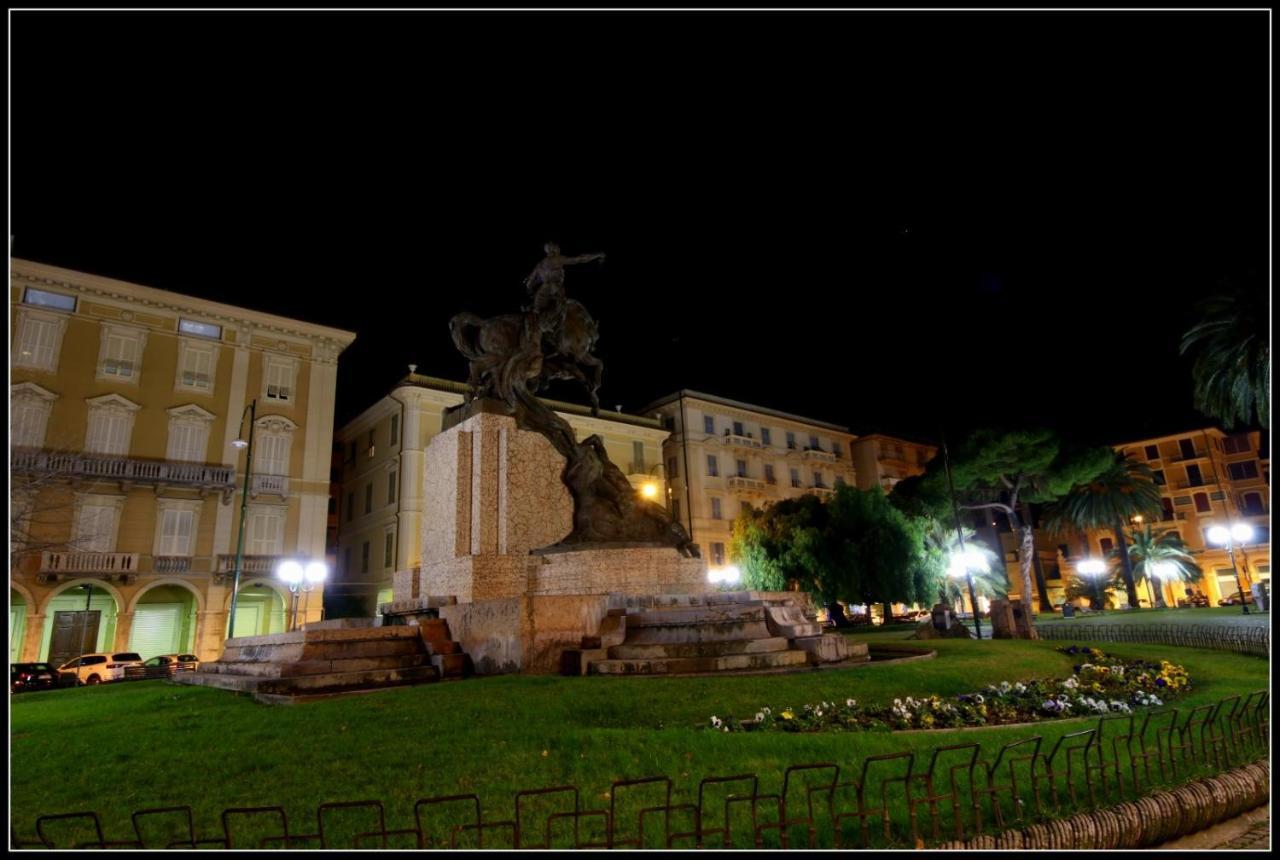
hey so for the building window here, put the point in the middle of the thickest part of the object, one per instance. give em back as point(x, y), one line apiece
point(1252, 504)
point(738, 429)
point(713, 468)
point(791, 440)
point(766, 438)
point(29, 407)
point(1157, 475)
point(188, 434)
point(391, 487)
point(275, 436)
point(38, 340)
point(637, 457)
point(96, 519)
point(333, 506)
point(839, 480)
point(1187, 447)
point(1153, 453)
point(120, 353)
point(672, 468)
point(46, 299)
point(200, 329)
point(266, 529)
point(1167, 505)
point(351, 452)
point(395, 430)
point(813, 443)
point(817, 479)
point(368, 497)
point(351, 506)
point(717, 554)
point(346, 561)
point(1202, 503)
point(364, 557)
point(1236, 444)
point(742, 468)
point(835, 448)
point(278, 375)
point(389, 549)
point(110, 424)
point(176, 527)
point(795, 477)
point(715, 508)
point(1193, 476)
point(768, 473)
point(1105, 544)
point(1243, 471)
point(197, 363)
point(709, 424)
point(373, 447)
point(675, 509)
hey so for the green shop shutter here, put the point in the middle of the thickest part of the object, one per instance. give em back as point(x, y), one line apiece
point(156, 627)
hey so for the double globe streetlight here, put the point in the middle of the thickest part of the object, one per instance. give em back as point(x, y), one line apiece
point(301, 580)
point(1093, 569)
point(964, 563)
point(1230, 536)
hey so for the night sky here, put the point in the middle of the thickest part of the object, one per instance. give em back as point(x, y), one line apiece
point(884, 221)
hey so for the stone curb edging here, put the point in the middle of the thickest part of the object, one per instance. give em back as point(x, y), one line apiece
point(1143, 823)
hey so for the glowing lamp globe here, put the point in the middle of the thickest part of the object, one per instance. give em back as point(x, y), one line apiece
point(1242, 532)
point(1219, 534)
point(316, 572)
point(649, 490)
point(1091, 567)
point(290, 572)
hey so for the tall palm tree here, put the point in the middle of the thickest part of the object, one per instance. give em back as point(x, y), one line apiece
point(1110, 500)
point(1231, 371)
point(1152, 548)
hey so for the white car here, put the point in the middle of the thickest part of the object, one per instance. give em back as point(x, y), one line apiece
point(99, 668)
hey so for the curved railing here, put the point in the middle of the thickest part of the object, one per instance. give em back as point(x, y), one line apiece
point(1254, 640)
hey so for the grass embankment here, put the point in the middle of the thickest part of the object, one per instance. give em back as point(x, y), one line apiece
point(124, 747)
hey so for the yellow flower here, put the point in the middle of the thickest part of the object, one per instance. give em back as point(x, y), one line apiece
point(786, 715)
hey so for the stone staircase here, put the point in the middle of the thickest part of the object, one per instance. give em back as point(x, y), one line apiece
point(341, 656)
point(719, 632)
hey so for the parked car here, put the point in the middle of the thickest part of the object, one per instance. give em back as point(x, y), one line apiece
point(1234, 600)
point(31, 676)
point(99, 668)
point(164, 666)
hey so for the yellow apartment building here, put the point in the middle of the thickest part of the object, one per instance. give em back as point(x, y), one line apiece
point(737, 454)
point(883, 461)
point(125, 506)
point(380, 493)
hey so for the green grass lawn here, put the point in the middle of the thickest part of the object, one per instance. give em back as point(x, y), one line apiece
point(1224, 616)
point(124, 747)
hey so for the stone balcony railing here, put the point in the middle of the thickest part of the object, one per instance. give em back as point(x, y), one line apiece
point(88, 562)
point(823, 491)
point(129, 470)
point(252, 564)
point(733, 440)
point(171, 564)
point(277, 485)
point(819, 454)
point(754, 485)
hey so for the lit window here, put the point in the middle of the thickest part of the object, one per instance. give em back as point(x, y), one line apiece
point(200, 329)
point(45, 299)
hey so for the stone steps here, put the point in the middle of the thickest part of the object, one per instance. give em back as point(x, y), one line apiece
point(330, 682)
point(695, 665)
point(316, 667)
point(633, 651)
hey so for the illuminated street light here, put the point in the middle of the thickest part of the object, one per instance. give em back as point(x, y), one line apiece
point(649, 490)
point(241, 442)
point(1093, 568)
point(1237, 533)
point(728, 575)
point(302, 580)
point(1161, 571)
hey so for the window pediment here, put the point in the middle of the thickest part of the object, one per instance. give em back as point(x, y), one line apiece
point(112, 401)
point(276, 424)
point(30, 391)
point(192, 412)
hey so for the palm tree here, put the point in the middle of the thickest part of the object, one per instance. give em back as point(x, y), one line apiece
point(991, 581)
point(1231, 371)
point(1125, 490)
point(1157, 552)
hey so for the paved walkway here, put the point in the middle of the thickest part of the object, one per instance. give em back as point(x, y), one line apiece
point(1251, 832)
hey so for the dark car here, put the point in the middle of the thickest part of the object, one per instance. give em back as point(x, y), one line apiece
point(1234, 600)
point(31, 676)
point(164, 666)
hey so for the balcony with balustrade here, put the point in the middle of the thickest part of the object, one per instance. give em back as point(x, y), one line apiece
point(75, 563)
point(822, 491)
point(743, 485)
point(275, 485)
point(85, 467)
point(818, 454)
point(733, 440)
point(253, 565)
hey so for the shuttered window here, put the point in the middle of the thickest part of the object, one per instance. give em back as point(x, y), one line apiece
point(196, 366)
point(188, 440)
point(279, 379)
point(389, 550)
point(120, 355)
point(274, 453)
point(266, 529)
point(28, 420)
point(38, 343)
point(108, 431)
point(391, 488)
point(176, 530)
point(96, 528)
point(156, 629)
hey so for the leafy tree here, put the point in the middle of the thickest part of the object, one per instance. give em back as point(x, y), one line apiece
point(1007, 470)
point(1151, 548)
point(1231, 371)
point(856, 548)
point(1108, 501)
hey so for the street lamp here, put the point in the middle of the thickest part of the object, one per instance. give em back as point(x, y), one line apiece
point(955, 510)
point(300, 579)
point(240, 442)
point(84, 627)
point(1093, 568)
point(963, 563)
point(1229, 537)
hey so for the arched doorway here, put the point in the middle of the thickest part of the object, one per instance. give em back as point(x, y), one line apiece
point(17, 624)
point(79, 619)
point(164, 621)
point(260, 609)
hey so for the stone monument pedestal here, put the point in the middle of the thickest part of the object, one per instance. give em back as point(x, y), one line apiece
point(1011, 620)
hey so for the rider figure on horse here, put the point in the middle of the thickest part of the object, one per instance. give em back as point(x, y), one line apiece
point(549, 300)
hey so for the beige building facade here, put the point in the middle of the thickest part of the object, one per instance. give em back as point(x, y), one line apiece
point(380, 495)
point(723, 455)
point(124, 401)
point(883, 461)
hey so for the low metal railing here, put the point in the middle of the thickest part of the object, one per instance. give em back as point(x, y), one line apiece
point(1241, 639)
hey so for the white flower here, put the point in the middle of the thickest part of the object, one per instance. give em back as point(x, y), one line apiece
point(1004, 686)
point(1020, 687)
point(818, 712)
point(978, 698)
point(1071, 683)
point(849, 703)
point(726, 728)
point(716, 721)
point(759, 717)
point(897, 703)
point(766, 711)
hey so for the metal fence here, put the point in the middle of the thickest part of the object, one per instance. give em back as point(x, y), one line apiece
point(1255, 640)
point(951, 795)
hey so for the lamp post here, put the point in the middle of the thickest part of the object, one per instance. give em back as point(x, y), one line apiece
point(964, 563)
point(955, 510)
point(1229, 536)
point(300, 579)
point(240, 442)
point(84, 627)
point(1093, 568)
point(1160, 571)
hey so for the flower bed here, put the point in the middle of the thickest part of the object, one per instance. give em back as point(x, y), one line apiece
point(1099, 684)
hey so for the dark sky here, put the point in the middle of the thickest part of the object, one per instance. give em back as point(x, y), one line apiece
point(881, 220)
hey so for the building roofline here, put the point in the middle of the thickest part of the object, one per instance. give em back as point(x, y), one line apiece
point(57, 276)
point(1173, 436)
point(890, 436)
point(738, 404)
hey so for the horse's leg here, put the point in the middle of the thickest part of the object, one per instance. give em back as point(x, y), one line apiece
point(597, 367)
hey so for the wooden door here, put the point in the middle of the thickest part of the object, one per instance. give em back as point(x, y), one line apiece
point(71, 637)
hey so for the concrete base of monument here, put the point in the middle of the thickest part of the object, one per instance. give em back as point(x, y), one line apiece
point(341, 656)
